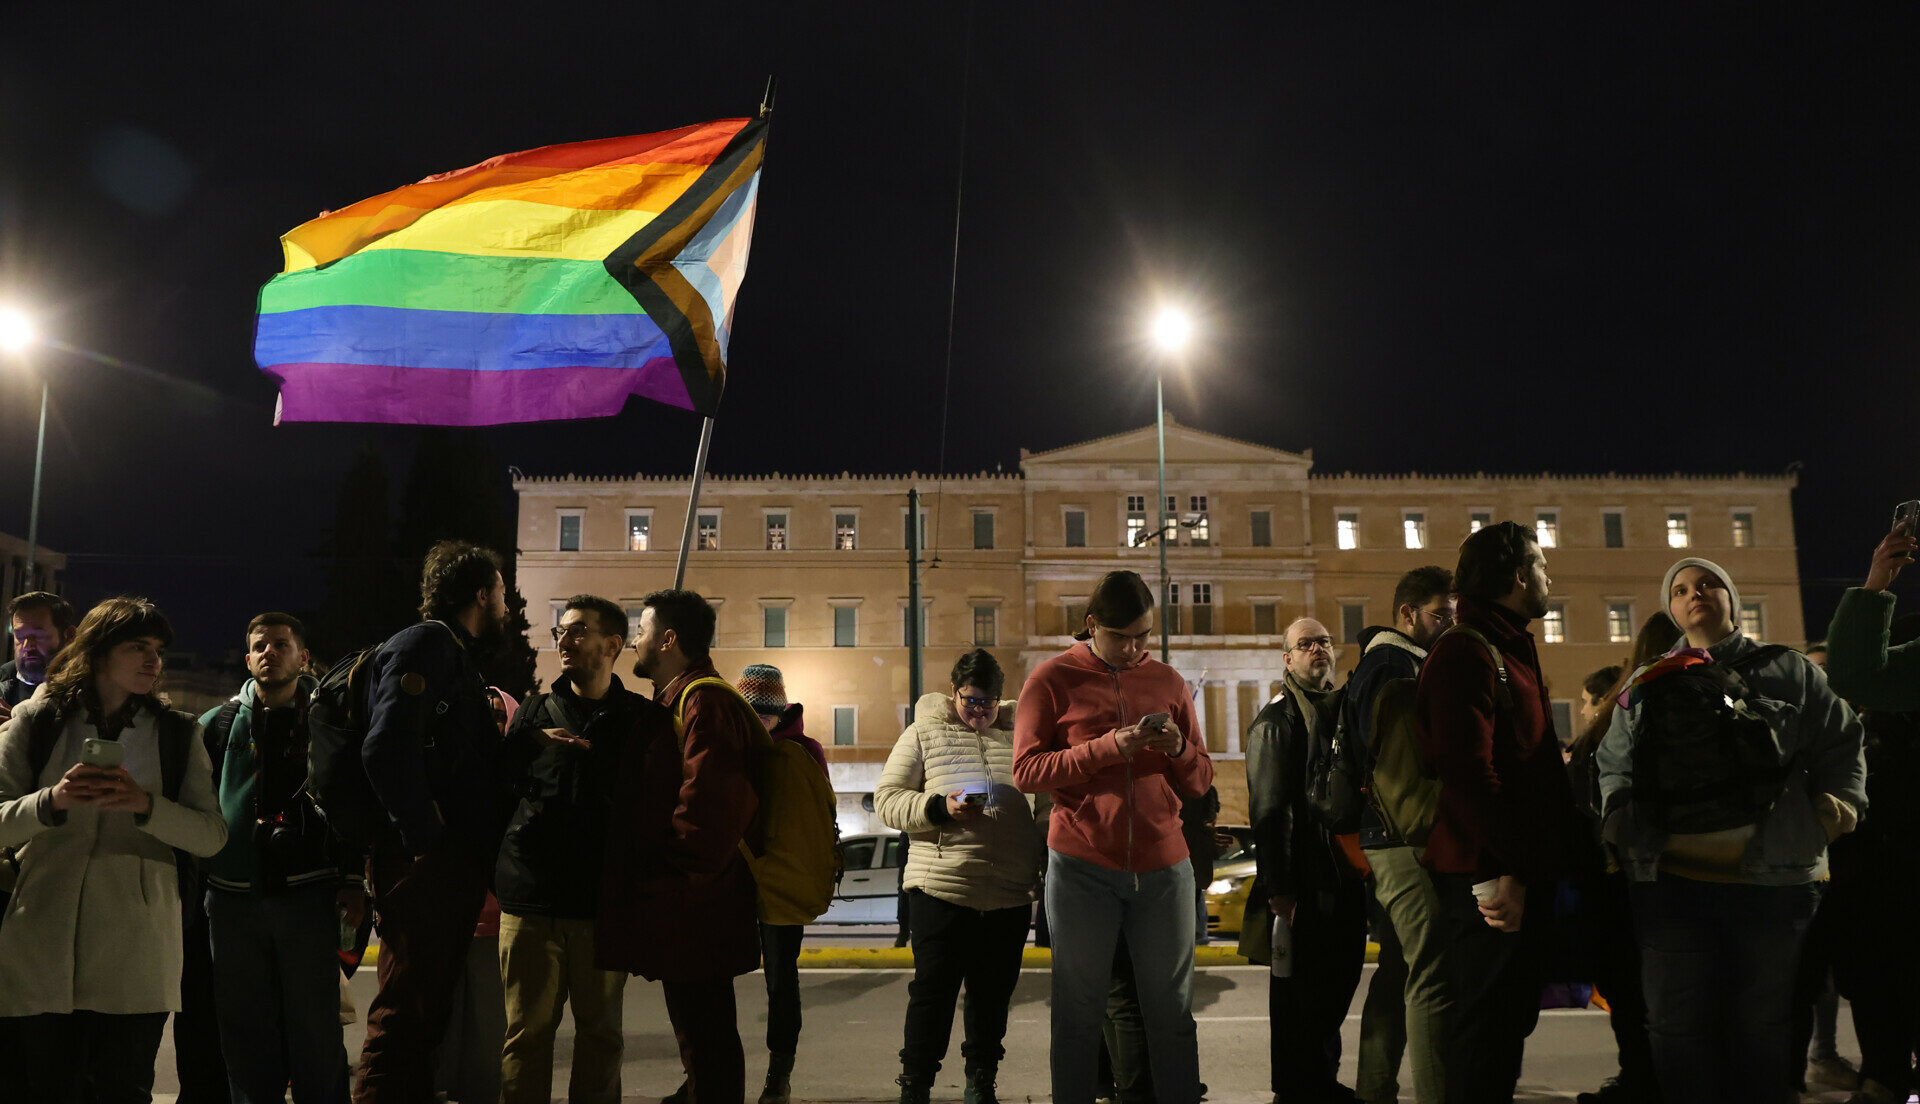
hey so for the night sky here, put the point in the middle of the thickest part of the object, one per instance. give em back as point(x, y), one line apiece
point(1420, 237)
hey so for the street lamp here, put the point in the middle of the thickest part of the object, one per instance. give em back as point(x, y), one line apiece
point(16, 333)
point(1171, 328)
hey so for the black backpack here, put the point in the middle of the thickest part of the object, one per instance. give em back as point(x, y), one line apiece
point(1333, 771)
point(336, 729)
point(1706, 757)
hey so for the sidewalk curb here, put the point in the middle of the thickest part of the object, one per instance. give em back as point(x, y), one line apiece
point(901, 958)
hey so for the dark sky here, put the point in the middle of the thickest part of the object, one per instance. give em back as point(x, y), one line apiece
point(1435, 237)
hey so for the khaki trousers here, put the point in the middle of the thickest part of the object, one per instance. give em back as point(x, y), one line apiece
point(1406, 894)
point(545, 964)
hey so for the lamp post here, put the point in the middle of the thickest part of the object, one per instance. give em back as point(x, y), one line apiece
point(1171, 328)
point(16, 333)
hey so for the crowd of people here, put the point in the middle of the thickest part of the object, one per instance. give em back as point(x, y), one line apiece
point(1700, 853)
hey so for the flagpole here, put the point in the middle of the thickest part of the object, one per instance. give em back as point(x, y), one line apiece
point(706, 436)
point(693, 502)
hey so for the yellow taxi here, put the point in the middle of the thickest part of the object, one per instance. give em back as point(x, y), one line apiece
point(1232, 881)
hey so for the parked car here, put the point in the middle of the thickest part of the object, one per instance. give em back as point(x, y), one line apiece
point(1232, 882)
point(869, 887)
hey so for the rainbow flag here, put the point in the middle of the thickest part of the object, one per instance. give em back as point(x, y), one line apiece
point(534, 286)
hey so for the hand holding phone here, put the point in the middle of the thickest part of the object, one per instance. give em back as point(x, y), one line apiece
point(1896, 551)
point(103, 755)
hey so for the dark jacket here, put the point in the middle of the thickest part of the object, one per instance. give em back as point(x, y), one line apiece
point(677, 902)
point(1292, 852)
point(1861, 666)
point(1505, 805)
point(12, 690)
point(431, 739)
point(1385, 654)
point(258, 771)
point(551, 858)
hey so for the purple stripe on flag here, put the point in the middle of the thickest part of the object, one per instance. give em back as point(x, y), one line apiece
point(455, 397)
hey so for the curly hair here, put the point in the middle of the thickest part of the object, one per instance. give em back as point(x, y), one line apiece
point(71, 674)
point(455, 571)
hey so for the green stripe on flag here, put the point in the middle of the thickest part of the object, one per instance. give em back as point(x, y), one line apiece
point(419, 280)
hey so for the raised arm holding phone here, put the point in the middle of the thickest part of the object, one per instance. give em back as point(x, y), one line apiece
point(1861, 665)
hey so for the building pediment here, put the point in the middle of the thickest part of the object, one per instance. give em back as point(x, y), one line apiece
point(1187, 448)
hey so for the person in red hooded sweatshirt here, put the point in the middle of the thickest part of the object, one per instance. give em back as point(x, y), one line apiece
point(1105, 730)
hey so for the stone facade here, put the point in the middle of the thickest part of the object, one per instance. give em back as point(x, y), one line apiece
point(810, 572)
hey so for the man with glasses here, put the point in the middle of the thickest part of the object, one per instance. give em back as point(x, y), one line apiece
point(1320, 901)
point(41, 624)
point(561, 756)
point(1404, 1006)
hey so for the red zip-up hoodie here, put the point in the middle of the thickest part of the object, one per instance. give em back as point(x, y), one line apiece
point(1123, 814)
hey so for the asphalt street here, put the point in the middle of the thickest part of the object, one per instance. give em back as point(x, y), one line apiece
point(851, 1038)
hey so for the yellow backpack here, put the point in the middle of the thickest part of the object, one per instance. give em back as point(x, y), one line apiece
point(797, 868)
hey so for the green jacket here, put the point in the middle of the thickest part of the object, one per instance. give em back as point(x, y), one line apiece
point(1860, 666)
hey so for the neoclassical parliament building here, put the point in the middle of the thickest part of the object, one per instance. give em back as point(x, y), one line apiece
point(809, 572)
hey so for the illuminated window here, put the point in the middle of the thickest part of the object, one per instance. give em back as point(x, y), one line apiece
point(984, 626)
point(1753, 620)
point(1743, 530)
point(1197, 534)
point(846, 531)
point(639, 531)
point(1619, 623)
point(1677, 530)
point(1554, 624)
point(776, 532)
point(707, 533)
point(1478, 520)
point(1346, 528)
point(1414, 525)
point(1546, 528)
point(1136, 520)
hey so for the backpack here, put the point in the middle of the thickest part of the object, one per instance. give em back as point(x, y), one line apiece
point(795, 871)
point(1333, 771)
point(1705, 756)
point(336, 728)
point(1404, 793)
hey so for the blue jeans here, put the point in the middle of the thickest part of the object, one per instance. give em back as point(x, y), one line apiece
point(1718, 961)
point(276, 969)
point(1089, 907)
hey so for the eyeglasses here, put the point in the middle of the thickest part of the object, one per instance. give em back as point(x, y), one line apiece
point(1444, 617)
point(1310, 643)
point(977, 703)
point(571, 632)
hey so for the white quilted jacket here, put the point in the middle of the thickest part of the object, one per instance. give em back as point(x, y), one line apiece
point(993, 863)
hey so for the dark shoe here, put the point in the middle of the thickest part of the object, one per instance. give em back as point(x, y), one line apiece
point(678, 1096)
point(779, 1074)
point(914, 1090)
point(1613, 1091)
point(980, 1085)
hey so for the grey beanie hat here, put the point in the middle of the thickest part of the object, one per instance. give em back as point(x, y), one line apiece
point(1733, 592)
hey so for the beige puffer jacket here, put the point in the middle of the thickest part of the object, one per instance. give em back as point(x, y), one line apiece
point(993, 863)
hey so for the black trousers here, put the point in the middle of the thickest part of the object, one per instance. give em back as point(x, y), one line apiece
point(954, 946)
point(83, 1057)
point(780, 962)
point(1493, 981)
point(1305, 1011)
point(706, 1024)
point(1880, 975)
point(197, 1060)
point(1615, 961)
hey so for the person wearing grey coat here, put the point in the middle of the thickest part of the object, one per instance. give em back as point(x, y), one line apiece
point(1720, 914)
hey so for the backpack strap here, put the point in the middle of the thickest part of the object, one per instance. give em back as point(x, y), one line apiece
point(218, 732)
point(680, 708)
point(1758, 656)
point(176, 732)
point(1503, 688)
point(41, 737)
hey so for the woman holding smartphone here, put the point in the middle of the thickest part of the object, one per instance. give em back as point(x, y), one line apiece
point(100, 783)
point(970, 877)
point(1103, 727)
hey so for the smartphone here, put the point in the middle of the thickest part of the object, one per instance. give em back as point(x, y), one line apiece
point(103, 754)
point(1156, 720)
point(979, 800)
point(1907, 516)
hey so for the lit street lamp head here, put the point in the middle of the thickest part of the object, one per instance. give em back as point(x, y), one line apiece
point(16, 330)
point(1171, 329)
